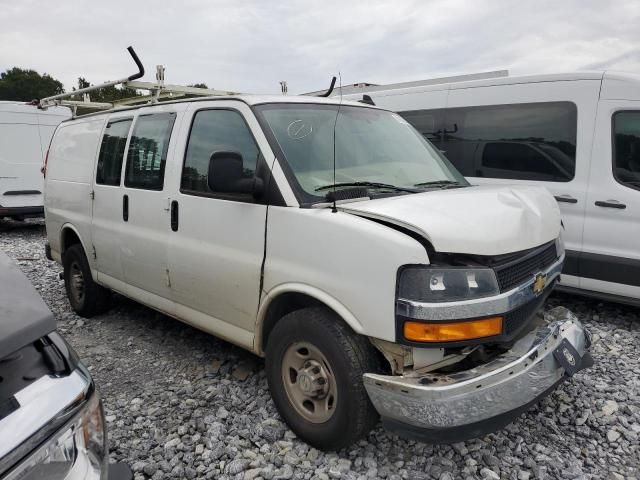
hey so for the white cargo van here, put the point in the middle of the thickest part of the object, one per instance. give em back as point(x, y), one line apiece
point(576, 134)
point(374, 280)
point(25, 133)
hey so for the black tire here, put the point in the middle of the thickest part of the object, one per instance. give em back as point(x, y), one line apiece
point(94, 298)
point(349, 356)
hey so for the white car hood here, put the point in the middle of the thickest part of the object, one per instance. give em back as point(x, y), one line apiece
point(484, 220)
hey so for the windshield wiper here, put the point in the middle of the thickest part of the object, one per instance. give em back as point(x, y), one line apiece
point(367, 185)
point(440, 183)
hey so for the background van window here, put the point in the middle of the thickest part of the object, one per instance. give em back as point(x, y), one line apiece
point(529, 141)
point(626, 148)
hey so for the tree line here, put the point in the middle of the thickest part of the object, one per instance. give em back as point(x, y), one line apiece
point(25, 85)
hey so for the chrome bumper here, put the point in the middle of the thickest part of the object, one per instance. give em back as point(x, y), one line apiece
point(457, 406)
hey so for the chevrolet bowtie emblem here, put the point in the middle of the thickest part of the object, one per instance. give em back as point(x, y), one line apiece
point(569, 356)
point(540, 281)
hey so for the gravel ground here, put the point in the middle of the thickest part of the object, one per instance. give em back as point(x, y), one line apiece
point(183, 404)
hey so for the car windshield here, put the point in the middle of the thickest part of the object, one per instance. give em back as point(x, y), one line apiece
point(374, 149)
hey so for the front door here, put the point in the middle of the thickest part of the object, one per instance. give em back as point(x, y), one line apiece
point(144, 209)
point(610, 260)
point(216, 245)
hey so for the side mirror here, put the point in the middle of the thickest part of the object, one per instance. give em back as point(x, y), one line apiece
point(226, 175)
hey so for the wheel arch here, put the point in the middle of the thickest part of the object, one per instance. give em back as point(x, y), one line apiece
point(69, 236)
point(287, 298)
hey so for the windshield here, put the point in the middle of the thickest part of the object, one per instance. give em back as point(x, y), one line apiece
point(371, 147)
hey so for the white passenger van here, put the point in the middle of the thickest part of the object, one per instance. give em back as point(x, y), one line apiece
point(375, 282)
point(25, 133)
point(576, 134)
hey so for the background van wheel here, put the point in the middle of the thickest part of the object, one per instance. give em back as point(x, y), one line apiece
point(86, 297)
point(314, 366)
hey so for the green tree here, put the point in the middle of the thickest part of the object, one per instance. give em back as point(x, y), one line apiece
point(25, 85)
point(107, 94)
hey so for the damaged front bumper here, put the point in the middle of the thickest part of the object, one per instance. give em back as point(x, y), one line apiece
point(457, 406)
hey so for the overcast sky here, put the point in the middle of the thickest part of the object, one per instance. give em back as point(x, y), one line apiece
point(250, 45)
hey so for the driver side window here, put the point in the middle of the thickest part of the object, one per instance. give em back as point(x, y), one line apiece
point(212, 131)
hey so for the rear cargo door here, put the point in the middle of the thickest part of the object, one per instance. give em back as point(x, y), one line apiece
point(144, 208)
point(21, 182)
point(107, 222)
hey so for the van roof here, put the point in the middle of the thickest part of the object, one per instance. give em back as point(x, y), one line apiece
point(25, 107)
point(245, 98)
point(396, 89)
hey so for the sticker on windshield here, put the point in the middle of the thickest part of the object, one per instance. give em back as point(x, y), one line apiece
point(298, 129)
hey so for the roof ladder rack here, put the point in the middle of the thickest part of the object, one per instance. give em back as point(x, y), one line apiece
point(157, 90)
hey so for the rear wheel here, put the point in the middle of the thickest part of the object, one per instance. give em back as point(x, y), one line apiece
point(86, 297)
point(314, 365)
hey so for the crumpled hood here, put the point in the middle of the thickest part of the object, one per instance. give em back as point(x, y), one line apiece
point(483, 220)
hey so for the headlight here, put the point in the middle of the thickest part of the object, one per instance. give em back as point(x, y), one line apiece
point(426, 284)
point(76, 451)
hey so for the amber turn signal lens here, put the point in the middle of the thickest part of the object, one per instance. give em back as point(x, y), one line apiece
point(452, 332)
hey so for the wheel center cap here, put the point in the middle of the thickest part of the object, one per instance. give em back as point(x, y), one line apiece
point(306, 383)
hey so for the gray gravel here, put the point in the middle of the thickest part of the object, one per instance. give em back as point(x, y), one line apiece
point(182, 404)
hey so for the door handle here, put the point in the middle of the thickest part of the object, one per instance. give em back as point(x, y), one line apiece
point(565, 199)
point(611, 204)
point(174, 215)
point(125, 208)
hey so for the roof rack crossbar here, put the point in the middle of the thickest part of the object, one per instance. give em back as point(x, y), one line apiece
point(157, 91)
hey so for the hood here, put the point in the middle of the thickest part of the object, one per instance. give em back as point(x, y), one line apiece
point(24, 317)
point(484, 220)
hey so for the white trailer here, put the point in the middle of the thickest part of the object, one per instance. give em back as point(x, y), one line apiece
point(25, 133)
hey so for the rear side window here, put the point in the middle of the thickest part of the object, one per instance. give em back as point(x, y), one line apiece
point(216, 131)
point(147, 153)
point(112, 152)
point(626, 148)
point(528, 141)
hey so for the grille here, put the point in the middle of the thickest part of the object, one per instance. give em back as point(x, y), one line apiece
point(516, 319)
point(515, 273)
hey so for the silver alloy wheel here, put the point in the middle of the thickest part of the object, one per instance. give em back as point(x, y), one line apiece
point(76, 282)
point(309, 382)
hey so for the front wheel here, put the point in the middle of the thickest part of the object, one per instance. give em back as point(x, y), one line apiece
point(314, 366)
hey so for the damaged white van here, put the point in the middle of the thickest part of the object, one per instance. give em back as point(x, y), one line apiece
point(333, 240)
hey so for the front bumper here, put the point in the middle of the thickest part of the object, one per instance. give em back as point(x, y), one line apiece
point(458, 406)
